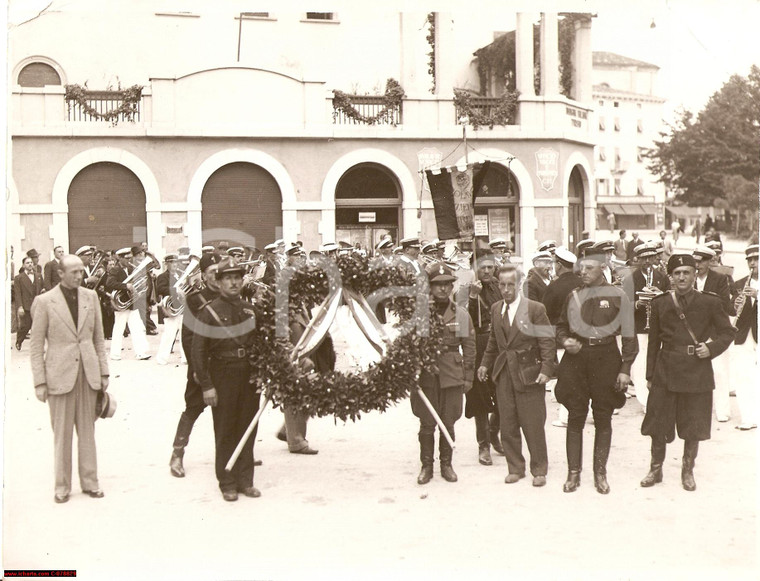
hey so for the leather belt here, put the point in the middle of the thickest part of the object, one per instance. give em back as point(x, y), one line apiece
point(594, 342)
point(683, 349)
point(239, 353)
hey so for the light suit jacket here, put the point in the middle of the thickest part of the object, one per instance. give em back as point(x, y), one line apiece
point(52, 324)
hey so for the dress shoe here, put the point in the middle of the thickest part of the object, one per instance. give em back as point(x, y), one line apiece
point(484, 456)
point(115, 358)
point(18, 348)
point(722, 419)
point(175, 466)
point(94, 493)
point(250, 492)
point(306, 450)
point(61, 498)
point(257, 462)
point(151, 332)
point(539, 481)
point(143, 357)
point(229, 495)
point(745, 427)
point(512, 478)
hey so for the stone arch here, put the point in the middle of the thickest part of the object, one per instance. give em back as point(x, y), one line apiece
point(38, 59)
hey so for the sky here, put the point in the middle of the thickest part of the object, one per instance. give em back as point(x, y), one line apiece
point(698, 44)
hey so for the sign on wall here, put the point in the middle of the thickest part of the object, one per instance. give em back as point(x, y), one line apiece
point(547, 167)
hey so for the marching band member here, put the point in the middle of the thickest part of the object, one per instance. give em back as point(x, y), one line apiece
point(645, 279)
point(549, 246)
point(744, 353)
point(94, 278)
point(687, 330)
point(410, 254)
point(384, 256)
point(539, 276)
point(499, 250)
point(172, 323)
point(129, 317)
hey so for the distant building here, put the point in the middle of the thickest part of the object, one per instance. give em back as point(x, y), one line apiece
point(238, 135)
point(628, 120)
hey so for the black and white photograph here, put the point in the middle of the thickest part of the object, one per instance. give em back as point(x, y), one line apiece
point(406, 290)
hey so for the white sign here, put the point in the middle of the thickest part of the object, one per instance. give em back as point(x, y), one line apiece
point(547, 167)
point(481, 225)
point(367, 217)
point(428, 158)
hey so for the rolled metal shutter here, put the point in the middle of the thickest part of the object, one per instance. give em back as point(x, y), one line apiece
point(243, 199)
point(106, 207)
point(38, 75)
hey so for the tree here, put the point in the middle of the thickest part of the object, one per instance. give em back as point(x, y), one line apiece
point(696, 154)
point(741, 198)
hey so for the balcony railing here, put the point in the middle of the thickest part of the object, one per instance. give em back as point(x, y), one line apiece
point(368, 107)
point(102, 103)
point(485, 111)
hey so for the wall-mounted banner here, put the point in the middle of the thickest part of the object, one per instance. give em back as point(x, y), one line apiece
point(547, 167)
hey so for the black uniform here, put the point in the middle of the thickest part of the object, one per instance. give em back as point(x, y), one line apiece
point(682, 383)
point(747, 321)
point(556, 293)
point(220, 361)
point(535, 286)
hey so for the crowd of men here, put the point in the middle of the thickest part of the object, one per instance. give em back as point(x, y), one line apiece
point(592, 327)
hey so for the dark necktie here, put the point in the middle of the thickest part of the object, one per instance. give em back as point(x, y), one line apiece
point(506, 315)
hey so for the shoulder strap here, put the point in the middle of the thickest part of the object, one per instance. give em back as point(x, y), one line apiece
point(211, 310)
point(682, 316)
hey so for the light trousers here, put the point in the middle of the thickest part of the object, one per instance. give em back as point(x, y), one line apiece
point(131, 319)
point(744, 358)
point(172, 330)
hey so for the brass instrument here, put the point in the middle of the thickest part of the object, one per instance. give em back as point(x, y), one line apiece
point(646, 294)
point(121, 300)
point(174, 304)
point(97, 261)
point(741, 299)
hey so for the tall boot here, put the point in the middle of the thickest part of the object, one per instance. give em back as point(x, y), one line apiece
point(602, 441)
point(482, 435)
point(690, 448)
point(445, 452)
point(655, 467)
point(181, 439)
point(427, 449)
point(574, 449)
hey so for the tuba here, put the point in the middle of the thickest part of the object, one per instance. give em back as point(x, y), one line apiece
point(174, 305)
point(121, 300)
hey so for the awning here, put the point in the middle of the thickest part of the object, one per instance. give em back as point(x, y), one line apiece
point(631, 209)
point(684, 211)
point(613, 209)
point(649, 209)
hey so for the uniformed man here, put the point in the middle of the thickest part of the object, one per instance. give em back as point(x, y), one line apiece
point(172, 323)
point(272, 264)
point(409, 256)
point(554, 299)
point(608, 247)
point(129, 317)
point(236, 252)
point(539, 276)
point(429, 252)
point(549, 246)
point(384, 255)
point(581, 247)
point(499, 250)
point(520, 357)
point(482, 294)
point(744, 352)
point(646, 280)
point(195, 301)
point(687, 329)
point(221, 348)
point(592, 368)
point(456, 369)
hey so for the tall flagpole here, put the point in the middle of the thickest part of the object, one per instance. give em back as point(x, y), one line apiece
point(474, 240)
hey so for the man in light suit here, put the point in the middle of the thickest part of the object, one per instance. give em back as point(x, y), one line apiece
point(520, 326)
point(69, 371)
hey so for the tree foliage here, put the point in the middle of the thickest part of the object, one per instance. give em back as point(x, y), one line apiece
point(697, 152)
point(741, 199)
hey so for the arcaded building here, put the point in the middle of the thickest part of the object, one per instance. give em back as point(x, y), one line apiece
point(181, 127)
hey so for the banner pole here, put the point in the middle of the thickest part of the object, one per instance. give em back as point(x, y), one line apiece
point(247, 434)
point(436, 417)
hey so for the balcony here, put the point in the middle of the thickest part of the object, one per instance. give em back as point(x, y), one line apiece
point(365, 110)
point(103, 107)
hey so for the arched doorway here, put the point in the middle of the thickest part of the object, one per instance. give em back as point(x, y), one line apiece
point(576, 196)
point(496, 207)
point(243, 199)
point(106, 207)
point(367, 205)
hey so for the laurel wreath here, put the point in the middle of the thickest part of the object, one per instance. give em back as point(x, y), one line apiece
point(343, 395)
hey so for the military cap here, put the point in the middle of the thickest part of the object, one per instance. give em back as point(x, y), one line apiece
point(751, 251)
point(171, 257)
point(605, 245)
point(547, 245)
point(565, 257)
point(543, 255)
point(429, 247)
point(703, 253)
point(279, 242)
point(398, 250)
point(715, 245)
point(677, 260)
point(293, 250)
point(412, 242)
point(271, 247)
point(84, 250)
point(645, 249)
point(385, 243)
point(498, 243)
point(123, 252)
point(208, 248)
point(209, 259)
point(440, 243)
point(236, 250)
point(229, 266)
point(440, 273)
point(582, 245)
point(329, 247)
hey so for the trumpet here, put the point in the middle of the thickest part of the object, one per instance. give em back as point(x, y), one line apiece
point(121, 300)
point(174, 304)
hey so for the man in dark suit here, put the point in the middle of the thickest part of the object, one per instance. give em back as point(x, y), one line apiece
point(744, 351)
point(35, 256)
point(539, 276)
point(69, 367)
point(50, 272)
point(687, 330)
point(26, 286)
point(632, 244)
point(521, 337)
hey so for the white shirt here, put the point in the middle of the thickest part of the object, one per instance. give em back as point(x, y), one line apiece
point(512, 309)
point(411, 261)
point(701, 283)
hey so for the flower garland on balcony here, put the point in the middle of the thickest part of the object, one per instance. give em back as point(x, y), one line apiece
point(392, 98)
point(130, 100)
point(431, 41)
point(342, 395)
point(504, 114)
